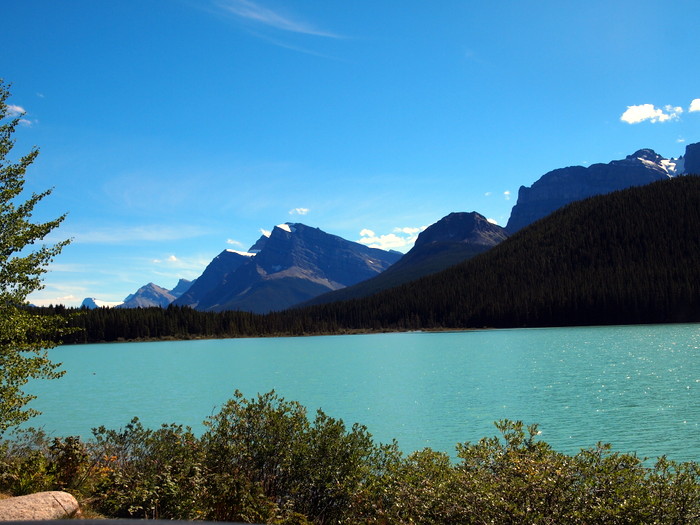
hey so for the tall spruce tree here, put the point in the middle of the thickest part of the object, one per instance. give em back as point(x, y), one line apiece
point(24, 335)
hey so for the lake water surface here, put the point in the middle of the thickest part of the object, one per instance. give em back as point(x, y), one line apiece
point(637, 387)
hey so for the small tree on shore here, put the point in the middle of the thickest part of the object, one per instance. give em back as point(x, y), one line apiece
point(24, 335)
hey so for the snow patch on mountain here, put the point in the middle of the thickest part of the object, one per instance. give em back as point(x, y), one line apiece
point(674, 167)
point(289, 228)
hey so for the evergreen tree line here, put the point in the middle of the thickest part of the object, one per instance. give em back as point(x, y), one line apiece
point(625, 258)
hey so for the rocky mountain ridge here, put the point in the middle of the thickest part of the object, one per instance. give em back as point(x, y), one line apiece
point(145, 297)
point(455, 238)
point(563, 186)
point(294, 264)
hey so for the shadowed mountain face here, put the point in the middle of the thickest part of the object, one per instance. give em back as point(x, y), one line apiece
point(293, 265)
point(147, 296)
point(565, 185)
point(691, 164)
point(625, 257)
point(181, 287)
point(453, 239)
point(218, 272)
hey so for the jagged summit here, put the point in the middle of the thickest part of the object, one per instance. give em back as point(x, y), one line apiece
point(147, 296)
point(565, 185)
point(645, 154)
point(293, 264)
point(181, 287)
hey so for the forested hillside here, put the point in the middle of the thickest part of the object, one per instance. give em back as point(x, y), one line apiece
point(627, 257)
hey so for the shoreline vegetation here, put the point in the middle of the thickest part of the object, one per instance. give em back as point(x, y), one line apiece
point(266, 460)
point(175, 323)
point(628, 257)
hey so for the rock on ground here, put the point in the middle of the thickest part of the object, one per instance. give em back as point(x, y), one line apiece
point(40, 506)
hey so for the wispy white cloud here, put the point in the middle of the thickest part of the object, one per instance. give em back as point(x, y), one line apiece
point(234, 242)
point(506, 195)
point(299, 211)
point(67, 300)
point(150, 233)
point(194, 263)
point(69, 293)
point(648, 112)
point(14, 111)
point(409, 231)
point(694, 105)
point(401, 239)
point(252, 11)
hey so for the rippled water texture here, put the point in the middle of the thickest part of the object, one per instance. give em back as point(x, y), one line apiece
point(636, 387)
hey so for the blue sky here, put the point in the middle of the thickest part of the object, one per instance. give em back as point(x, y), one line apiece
point(171, 130)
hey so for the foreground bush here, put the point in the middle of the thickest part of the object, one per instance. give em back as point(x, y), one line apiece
point(262, 460)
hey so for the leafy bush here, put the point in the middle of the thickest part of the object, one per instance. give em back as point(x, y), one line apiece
point(153, 474)
point(262, 460)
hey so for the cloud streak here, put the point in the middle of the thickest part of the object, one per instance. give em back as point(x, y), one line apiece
point(401, 239)
point(152, 233)
point(251, 11)
point(14, 111)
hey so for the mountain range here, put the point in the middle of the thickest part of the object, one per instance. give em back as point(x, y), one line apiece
point(147, 296)
point(453, 239)
point(627, 257)
point(293, 264)
point(299, 265)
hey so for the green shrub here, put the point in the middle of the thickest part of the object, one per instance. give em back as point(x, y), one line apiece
point(152, 474)
point(314, 469)
point(262, 460)
point(24, 464)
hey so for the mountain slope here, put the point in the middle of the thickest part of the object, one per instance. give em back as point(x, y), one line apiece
point(218, 271)
point(565, 185)
point(293, 265)
point(147, 296)
point(181, 287)
point(626, 257)
point(453, 239)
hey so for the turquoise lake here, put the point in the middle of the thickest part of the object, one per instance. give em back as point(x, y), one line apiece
point(637, 387)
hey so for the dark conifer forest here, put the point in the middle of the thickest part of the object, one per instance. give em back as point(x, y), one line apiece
point(630, 257)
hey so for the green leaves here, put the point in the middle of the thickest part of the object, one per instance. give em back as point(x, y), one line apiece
point(263, 461)
point(24, 337)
